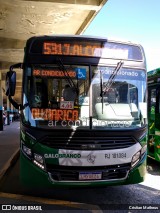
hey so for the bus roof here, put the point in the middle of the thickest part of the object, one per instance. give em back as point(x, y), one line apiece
point(154, 72)
point(92, 37)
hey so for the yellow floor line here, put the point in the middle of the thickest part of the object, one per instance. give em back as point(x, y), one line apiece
point(92, 208)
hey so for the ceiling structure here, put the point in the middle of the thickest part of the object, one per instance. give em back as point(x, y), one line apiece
point(21, 19)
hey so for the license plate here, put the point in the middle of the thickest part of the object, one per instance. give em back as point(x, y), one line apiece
point(90, 175)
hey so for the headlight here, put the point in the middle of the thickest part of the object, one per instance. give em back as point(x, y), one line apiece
point(27, 151)
point(144, 149)
point(135, 158)
point(38, 160)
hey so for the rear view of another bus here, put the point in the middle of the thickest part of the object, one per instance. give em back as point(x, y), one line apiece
point(154, 114)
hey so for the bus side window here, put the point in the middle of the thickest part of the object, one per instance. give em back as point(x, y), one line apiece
point(153, 97)
point(152, 107)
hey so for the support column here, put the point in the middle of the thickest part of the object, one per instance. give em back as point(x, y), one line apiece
point(1, 103)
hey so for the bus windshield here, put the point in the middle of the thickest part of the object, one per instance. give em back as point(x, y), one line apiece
point(76, 96)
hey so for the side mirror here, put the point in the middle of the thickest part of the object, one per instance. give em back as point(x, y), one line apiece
point(10, 83)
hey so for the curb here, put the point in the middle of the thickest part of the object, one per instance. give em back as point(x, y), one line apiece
point(9, 163)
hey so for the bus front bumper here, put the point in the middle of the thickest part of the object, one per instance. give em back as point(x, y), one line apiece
point(33, 176)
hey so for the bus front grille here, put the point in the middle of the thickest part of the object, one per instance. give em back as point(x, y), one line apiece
point(66, 173)
point(88, 143)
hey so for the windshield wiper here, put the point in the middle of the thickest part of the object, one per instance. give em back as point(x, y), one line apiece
point(68, 78)
point(110, 81)
point(102, 92)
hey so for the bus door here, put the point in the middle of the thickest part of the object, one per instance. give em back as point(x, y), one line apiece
point(154, 121)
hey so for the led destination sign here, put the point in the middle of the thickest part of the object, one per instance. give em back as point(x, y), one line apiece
point(92, 49)
point(69, 48)
point(54, 73)
point(55, 114)
point(100, 48)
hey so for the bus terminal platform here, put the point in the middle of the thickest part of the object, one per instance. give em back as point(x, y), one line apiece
point(9, 146)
